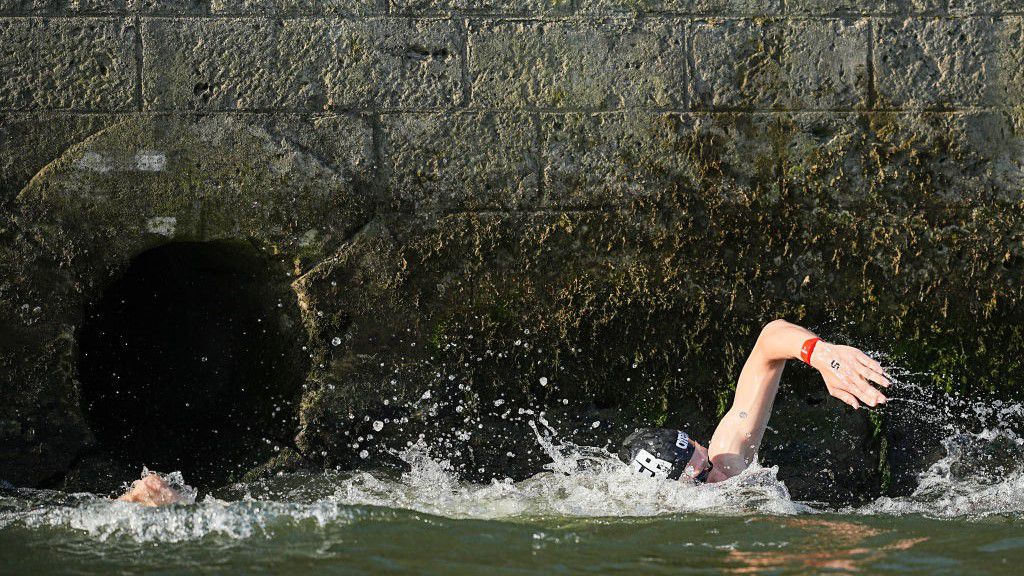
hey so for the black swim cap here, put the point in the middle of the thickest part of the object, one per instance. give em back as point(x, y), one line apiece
point(657, 452)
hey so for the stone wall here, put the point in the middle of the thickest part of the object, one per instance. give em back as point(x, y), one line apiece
point(631, 187)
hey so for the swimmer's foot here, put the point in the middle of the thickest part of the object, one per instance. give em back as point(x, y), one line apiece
point(151, 491)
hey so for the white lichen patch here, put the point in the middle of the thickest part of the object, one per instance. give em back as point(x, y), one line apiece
point(94, 161)
point(162, 225)
point(309, 238)
point(150, 161)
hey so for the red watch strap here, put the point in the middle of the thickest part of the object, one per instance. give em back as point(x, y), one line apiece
point(807, 349)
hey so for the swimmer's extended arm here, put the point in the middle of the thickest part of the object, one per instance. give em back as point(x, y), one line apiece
point(846, 370)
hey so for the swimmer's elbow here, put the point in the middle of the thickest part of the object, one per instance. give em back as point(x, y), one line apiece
point(774, 326)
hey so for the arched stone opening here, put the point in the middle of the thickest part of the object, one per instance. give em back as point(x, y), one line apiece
point(192, 360)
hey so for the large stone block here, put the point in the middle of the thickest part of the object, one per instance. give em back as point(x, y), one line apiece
point(460, 162)
point(88, 7)
point(708, 7)
point(932, 62)
point(343, 142)
point(827, 63)
point(23, 7)
point(615, 158)
point(966, 7)
point(738, 64)
point(301, 64)
point(943, 159)
point(856, 7)
point(510, 7)
point(86, 64)
point(825, 161)
point(172, 7)
point(296, 7)
point(575, 64)
point(395, 63)
point(1010, 76)
point(231, 63)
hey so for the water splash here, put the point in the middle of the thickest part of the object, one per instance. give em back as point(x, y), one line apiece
point(579, 482)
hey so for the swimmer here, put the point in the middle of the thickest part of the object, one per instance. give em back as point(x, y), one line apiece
point(151, 490)
point(850, 375)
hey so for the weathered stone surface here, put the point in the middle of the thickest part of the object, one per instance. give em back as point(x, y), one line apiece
point(40, 70)
point(509, 7)
point(738, 64)
point(1009, 89)
point(930, 62)
point(172, 7)
point(708, 7)
point(827, 63)
point(967, 7)
point(853, 7)
point(396, 63)
point(149, 181)
point(344, 142)
point(41, 428)
point(231, 63)
point(466, 161)
point(826, 160)
point(23, 7)
point(936, 159)
point(98, 6)
point(301, 64)
point(603, 64)
point(300, 7)
point(608, 159)
point(30, 141)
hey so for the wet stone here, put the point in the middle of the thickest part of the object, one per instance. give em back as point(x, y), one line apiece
point(577, 64)
point(953, 159)
point(37, 70)
point(462, 161)
point(612, 158)
point(825, 160)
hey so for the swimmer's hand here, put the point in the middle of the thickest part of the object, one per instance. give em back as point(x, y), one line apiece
point(151, 491)
point(849, 374)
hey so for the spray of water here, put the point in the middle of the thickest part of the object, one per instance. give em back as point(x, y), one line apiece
point(981, 474)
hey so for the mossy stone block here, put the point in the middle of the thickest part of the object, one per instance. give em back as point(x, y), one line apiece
point(463, 161)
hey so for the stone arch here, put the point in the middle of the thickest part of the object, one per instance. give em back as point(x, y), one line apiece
point(134, 188)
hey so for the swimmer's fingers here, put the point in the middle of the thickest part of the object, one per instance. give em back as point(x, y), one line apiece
point(845, 397)
point(854, 383)
point(877, 373)
point(863, 389)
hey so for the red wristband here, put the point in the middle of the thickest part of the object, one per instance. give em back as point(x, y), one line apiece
point(807, 349)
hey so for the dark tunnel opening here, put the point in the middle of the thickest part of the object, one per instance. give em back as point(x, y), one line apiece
point(192, 360)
